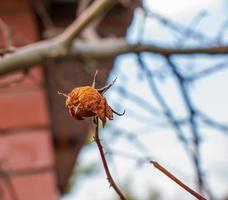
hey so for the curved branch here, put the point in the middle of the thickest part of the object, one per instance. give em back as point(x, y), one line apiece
point(112, 47)
point(72, 31)
point(37, 53)
point(43, 51)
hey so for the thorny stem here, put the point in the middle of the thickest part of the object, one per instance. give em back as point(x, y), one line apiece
point(109, 176)
point(175, 179)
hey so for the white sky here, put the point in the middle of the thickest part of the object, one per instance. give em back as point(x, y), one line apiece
point(163, 144)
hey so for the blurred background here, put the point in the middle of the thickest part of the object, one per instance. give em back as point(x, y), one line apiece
point(176, 106)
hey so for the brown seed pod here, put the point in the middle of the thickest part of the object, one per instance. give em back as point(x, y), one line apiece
point(87, 101)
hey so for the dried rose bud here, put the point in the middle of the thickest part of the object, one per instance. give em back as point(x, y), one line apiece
point(88, 102)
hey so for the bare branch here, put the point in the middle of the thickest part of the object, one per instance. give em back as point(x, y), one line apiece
point(192, 121)
point(26, 171)
point(176, 180)
point(179, 28)
point(166, 109)
point(40, 52)
point(212, 123)
point(97, 8)
point(7, 179)
point(206, 72)
point(11, 80)
point(146, 105)
point(113, 47)
point(43, 51)
point(7, 35)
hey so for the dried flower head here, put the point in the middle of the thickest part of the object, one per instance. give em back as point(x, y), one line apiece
point(87, 101)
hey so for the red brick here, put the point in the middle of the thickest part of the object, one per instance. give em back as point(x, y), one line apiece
point(33, 79)
point(19, 18)
point(21, 109)
point(24, 150)
point(35, 187)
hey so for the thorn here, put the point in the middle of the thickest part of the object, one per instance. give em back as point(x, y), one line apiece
point(105, 88)
point(94, 79)
point(94, 139)
point(119, 114)
point(60, 93)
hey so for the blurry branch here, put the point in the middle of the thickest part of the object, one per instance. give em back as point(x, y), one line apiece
point(100, 147)
point(192, 121)
point(89, 32)
point(6, 175)
point(212, 123)
point(11, 188)
point(147, 106)
point(133, 138)
point(82, 5)
point(196, 20)
point(176, 180)
point(168, 113)
point(11, 80)
point(72, 31)
point(7, 35)
point(42, 13)
point(1, 192)
point(18, 130)
point(113, 47)
point(179, 28)
point(195, 155)
point(192, 27)
point(50, 30)
point(222, 32)
point(25, 172)
point(206, 72)
point(37, 53)
point(59, 46)
point(65, 45)
point(140, 160)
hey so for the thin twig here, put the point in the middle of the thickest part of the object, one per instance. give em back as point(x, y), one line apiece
point(25, 172)
point(176, 180)
point(179, 28)
point(56, 47)
point(7, 34)
point(12, 80)
point(109, 176)
point(91, 13)
point(11, 188)
point(192, 121)
point(207, 72)
point(161, 100)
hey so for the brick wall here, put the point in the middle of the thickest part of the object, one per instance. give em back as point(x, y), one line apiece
point(26, 154)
